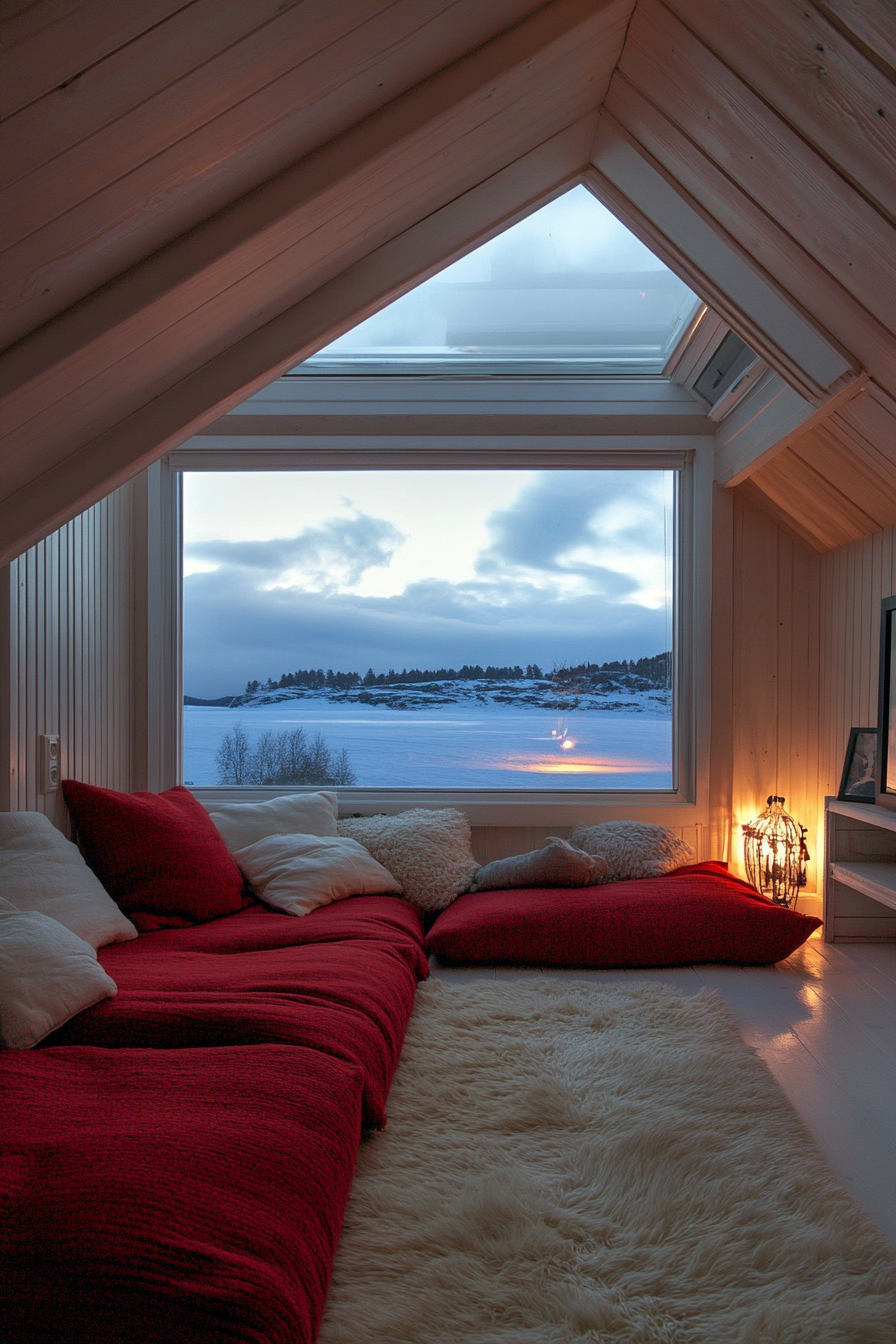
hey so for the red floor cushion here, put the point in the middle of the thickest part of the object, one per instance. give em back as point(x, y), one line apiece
point(185, 1196)
point(699, 913)
point(159, 855)
point(351, 1000)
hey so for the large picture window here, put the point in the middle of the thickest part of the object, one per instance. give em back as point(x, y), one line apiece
point(430, 629)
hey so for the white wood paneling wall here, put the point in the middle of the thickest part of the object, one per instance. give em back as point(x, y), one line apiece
point(775, 673)
point(88, 650)
point(854, 578)
point(66, 659)
point(805, 664)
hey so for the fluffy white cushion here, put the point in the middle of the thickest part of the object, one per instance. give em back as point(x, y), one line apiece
point(297, 873)
point(242, 824)
point(40, 870)
point(633, 849)
point(47, 975)
point(428, 851)
point(558, 864)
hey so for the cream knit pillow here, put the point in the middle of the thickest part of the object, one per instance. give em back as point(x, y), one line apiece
point(633, 849)
point(427, 851)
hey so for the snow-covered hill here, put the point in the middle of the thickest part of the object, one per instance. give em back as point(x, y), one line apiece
point(625, 694)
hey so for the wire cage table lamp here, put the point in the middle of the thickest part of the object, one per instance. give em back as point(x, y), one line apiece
point(775, 853)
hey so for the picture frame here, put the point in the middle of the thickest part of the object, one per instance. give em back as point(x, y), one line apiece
point(886, 712)
point(858, 783)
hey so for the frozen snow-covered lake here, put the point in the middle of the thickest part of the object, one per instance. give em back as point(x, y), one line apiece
point(457, 746)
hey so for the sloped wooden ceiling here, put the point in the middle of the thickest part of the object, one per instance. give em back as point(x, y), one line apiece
point(236, 187)
point(197, 194)
point(837, 482)
point(777, 120)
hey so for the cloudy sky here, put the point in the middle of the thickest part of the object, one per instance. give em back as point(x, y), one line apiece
point(397, 569)
point(534, 278)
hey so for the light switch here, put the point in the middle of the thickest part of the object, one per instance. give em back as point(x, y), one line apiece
point(48, 750)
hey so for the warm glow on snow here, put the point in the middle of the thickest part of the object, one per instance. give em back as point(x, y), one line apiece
point(582, 765)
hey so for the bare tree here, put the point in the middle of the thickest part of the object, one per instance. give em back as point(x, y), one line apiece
point(342, 771)
point(293, 761)
point(233, 758)
point(288, 757)
point(265, 760)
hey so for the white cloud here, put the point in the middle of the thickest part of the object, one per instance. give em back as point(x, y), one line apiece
point(569, 566)
point(326, 559)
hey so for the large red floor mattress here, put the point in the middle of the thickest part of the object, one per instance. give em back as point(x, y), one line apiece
point(385, 919)
point(351, 1000)
point(174, 1162)
point(167, 1196)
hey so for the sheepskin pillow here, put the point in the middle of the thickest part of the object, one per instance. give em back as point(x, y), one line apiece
point(427, 851)
point(297, 873)
point(633, 849)
point(558, 864)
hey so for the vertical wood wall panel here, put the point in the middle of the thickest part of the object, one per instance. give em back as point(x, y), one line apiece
point(776, 675)
point(854, 579)
point(805, 665)
point(67, 637)
point(721, 761)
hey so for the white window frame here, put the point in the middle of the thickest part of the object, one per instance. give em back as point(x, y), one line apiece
point(685, 804)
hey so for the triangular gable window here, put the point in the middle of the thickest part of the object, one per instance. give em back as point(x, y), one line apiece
point(568, 290)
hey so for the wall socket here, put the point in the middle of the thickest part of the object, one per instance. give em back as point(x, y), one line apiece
point(48, 762)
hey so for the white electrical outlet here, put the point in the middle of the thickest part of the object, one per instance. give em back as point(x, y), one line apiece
point(48, 752)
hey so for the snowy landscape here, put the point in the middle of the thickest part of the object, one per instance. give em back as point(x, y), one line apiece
point(527, 609)
point(581, 728)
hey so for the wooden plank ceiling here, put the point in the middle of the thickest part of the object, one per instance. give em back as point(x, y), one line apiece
point(837, 482)
point(197, 194)
point(777, 118)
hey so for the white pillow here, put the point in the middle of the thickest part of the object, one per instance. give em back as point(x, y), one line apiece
point(41, 870)
point(297, 873)
point(47, 975)
point(428, 851)
point(633, 849)
point(242, 824)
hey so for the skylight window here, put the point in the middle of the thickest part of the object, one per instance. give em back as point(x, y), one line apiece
point(568, 290)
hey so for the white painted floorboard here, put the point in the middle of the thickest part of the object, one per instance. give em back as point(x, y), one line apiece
point(824, 1021)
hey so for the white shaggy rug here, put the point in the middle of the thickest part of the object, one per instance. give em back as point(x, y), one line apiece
point(567, 1163)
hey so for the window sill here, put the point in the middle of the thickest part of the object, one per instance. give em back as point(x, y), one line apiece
point(485, 807)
